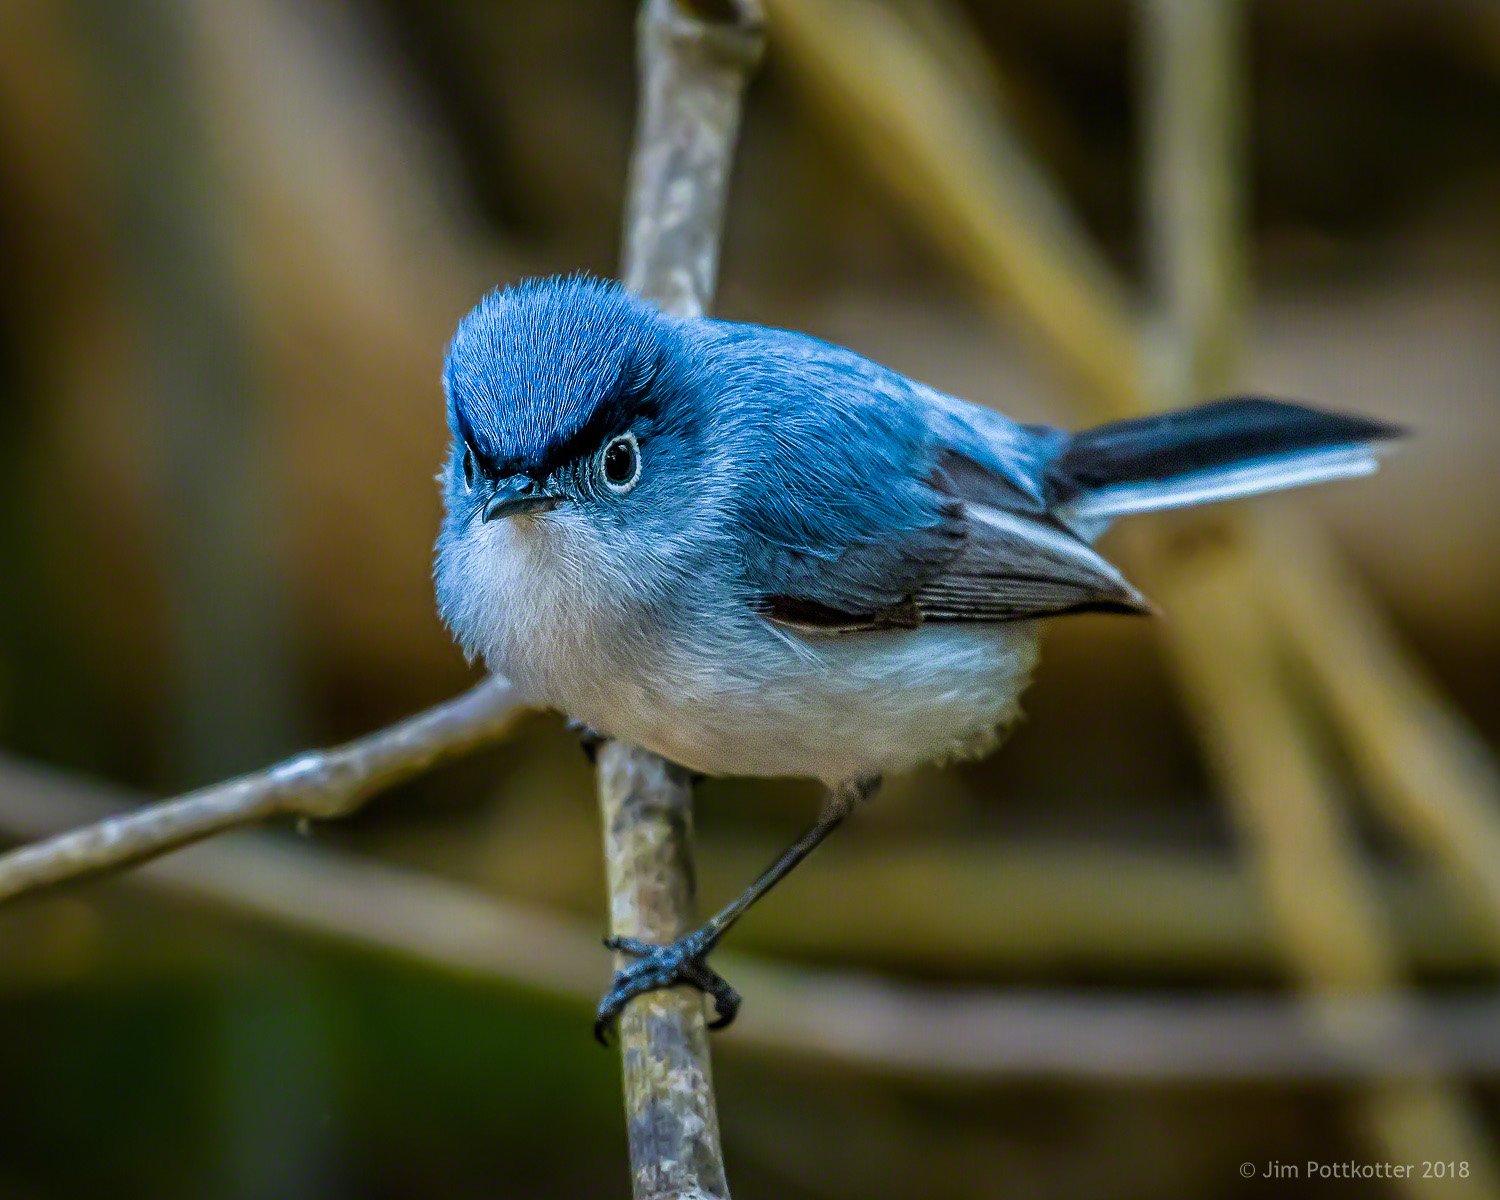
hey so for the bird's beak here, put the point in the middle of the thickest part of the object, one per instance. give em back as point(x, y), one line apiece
point(516, 495)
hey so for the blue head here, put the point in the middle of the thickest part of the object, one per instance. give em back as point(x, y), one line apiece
point(575, 454)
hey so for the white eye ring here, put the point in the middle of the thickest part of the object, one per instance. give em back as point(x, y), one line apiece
point(620, 463)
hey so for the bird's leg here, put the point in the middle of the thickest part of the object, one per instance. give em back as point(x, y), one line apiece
point(684, 961)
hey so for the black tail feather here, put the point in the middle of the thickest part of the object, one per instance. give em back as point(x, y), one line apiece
point(1241, 429)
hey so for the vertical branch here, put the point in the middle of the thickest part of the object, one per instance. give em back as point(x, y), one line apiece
point(1273, 769)
point(695, 57)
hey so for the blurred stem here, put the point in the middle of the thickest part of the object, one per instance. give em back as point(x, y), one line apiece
point(694, 61)
point(1284, 797)
point(1320, 894)
point(947, 907)
point(1195, 90)
point(963, 171)
point(1429, 775)
point(233, 695)
point(802, 1015)
point(956, 163)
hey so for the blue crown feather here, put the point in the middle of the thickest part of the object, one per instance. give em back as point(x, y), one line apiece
point(543, 371)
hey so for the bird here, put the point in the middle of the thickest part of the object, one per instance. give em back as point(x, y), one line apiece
point(756, 553)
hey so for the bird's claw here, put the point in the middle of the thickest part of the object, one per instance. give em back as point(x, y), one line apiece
point(589, 739)
point(655, 967)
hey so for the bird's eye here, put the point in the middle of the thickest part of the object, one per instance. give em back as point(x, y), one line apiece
point(620, 464)
point(468, 468)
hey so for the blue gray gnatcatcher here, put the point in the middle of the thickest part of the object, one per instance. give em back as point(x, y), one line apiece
point(756, 553)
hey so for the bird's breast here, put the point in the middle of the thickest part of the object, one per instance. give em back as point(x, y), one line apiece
point(560, 622)
point(703, 680)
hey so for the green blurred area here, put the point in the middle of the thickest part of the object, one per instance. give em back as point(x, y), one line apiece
point(234, 240)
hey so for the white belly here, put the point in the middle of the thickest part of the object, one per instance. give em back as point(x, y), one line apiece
point(831, 708)
point(720, 690)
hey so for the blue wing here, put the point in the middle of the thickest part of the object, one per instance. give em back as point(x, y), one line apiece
point(874, 502)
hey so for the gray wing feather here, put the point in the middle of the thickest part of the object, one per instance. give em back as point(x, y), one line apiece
point(993, 554)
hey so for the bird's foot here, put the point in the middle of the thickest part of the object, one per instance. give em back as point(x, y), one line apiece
point(656, 967)
point(589, 739)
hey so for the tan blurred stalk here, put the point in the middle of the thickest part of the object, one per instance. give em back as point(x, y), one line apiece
point(932, 133)
point(1429, 775)
point(953, 159)
point(802, 1015)
point(972, 908)
point(1288, 808)
point(1286, 801)
point(363, 252)
point(962, 170)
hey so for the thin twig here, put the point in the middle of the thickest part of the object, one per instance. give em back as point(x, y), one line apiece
point(804, 1016)
point(694, 61)
point(320, 784)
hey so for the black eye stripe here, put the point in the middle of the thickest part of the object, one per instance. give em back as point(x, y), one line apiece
point(629, 403)
point(610, 419)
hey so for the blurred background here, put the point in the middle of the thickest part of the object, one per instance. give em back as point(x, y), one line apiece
point(234, 238)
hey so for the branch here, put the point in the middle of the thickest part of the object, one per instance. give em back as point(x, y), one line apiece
point(694, 59)
point(319, 785)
